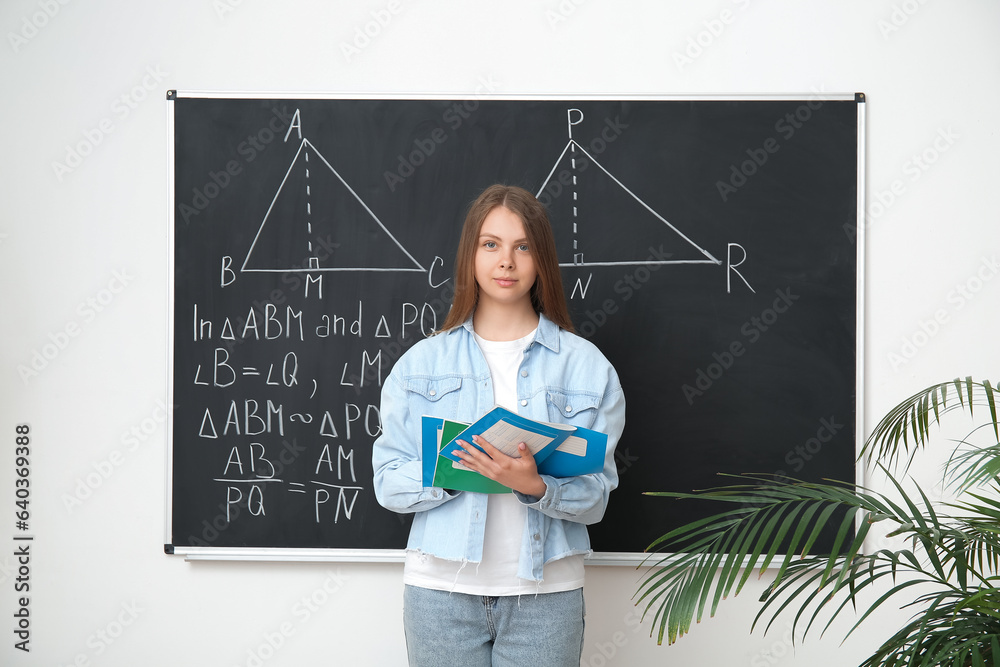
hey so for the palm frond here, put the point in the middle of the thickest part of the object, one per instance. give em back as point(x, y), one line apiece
point(950, 560)
point(972, 465)
point(779, 515)
point(913, 418)
point(954, 629)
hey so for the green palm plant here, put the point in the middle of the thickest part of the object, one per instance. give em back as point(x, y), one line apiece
point(947, 571)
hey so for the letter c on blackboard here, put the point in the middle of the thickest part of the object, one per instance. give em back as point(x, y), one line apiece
point(430, 273)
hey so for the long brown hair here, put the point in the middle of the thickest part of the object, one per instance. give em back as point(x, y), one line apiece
point(547, 294)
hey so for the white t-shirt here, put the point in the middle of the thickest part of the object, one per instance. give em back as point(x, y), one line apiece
point(497, 573)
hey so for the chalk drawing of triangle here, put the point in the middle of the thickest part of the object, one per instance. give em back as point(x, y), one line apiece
point(598, 221)
point(317, 222)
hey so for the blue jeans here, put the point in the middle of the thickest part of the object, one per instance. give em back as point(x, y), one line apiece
point(464, 630)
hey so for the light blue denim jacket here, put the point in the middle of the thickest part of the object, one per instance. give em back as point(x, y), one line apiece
point(563, 378)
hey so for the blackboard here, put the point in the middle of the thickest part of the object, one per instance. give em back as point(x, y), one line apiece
point(710, 247)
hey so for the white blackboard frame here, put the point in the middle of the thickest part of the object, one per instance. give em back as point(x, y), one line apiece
point(195, 553)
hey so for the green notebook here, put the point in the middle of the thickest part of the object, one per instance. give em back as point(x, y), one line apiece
point(447, 476)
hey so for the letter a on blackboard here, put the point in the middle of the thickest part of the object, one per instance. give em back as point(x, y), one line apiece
point(296, 124)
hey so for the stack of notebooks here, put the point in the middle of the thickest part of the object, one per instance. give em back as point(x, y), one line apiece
point(560, 450)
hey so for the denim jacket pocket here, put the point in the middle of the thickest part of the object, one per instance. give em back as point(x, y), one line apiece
point(578, 408)
point(434, 394)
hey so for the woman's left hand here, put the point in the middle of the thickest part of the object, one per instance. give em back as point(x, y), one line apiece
point(520, 474)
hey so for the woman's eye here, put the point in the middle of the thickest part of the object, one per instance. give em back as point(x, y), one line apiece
point(523, 247)
point(490, 244)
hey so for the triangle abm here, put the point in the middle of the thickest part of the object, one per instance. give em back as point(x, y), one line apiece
point(317, 222)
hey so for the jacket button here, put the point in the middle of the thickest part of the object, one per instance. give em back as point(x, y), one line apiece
point(433, 393)
point(536, 537)
point(569, 408)
point(524, 401)
point(524, 374)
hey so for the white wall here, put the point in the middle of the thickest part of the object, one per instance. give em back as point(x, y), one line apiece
point(84, 255)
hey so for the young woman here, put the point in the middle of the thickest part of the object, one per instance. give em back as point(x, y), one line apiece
point(497, 579)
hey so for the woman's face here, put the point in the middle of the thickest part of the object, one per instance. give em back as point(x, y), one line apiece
point(504, 267)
